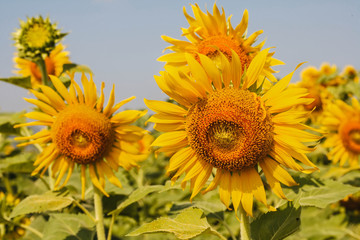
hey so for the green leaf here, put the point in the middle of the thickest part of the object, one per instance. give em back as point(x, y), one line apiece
point(72, 67)
point(68, 226)
point(23, 82)
point(8, 120)
point(276, 225)
point(40, 203)
point(139, 194)
point(322, 193)
point(188, 224)
point(326, 223)
point(20, 163)
point(206, 206)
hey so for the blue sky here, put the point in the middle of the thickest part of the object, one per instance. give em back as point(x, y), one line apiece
point(120, 39)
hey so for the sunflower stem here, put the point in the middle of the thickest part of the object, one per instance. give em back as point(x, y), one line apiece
point(85, 211)
point(99, 215)
point(5, 179)
point(245, 233)
point(111, 227)
point(42, 66)
point(33, 230)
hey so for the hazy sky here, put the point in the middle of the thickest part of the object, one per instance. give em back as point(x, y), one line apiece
point(120, 39)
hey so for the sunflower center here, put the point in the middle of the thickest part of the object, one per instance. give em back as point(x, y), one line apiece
point(37, 36)
point(212, 45)
point(79, 139)
point(82, 134)
point(224, 135)
point(350, 135)
point(230, 129)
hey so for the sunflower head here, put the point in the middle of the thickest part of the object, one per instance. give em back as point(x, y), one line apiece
point(82, 131)
point(223, 124)
point(36, 37)
point(213, 35)
point(342, 124)
point(351, 74)
point(54, 65)
point(218, 128)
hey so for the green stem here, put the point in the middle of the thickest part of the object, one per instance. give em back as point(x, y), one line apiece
point(111, 227)
point(85, 211)
point(27, 227)
point(42, 66)
point(7, 184)
point(245, 233)
point(218, 235)
point(33, 230)
point(352, 234)
point(99, 215)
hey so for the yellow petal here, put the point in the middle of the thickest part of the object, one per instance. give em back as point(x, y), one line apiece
point(110, 102)
point(79, 92)
point(211, 70)
point(170, 138)
point(109, 174)
point(173, 57)
point(127, 116)
point(63, 167)
point(70, 170)
point(180, 158)
point(120, 104)
point(54, 98)
point(61, 88)
point(43, 106)
point(201, 179)
point(198, 72)
point(279, 86)
point(236, 191)
point(255, 69)
point(100, 101)
point(273, 182)
point(83, 181)
point(278, 172)
point(95, 180)
point(225, 188)
point(215, 182)
point(241, 28)
point(165, 107)
point(39, 116)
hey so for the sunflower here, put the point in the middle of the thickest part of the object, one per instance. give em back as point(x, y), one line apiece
point(211, 34)
point(36, 37)
point(83, 132)
point(311, 80)
point(54, 65)
point(223, 125)
point(342, 123)
point(351, 74)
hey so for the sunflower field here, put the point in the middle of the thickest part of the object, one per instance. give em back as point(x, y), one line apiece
point(233, 152)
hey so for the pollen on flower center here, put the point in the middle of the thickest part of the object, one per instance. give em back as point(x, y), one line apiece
point(82, 134)
point(230, 129)
point(350, 135)
point(79, 139)
point(210, 47)
point(37, 36)
point(225, 135)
